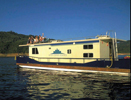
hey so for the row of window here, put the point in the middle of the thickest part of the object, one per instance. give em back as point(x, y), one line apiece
point(35, 51)
point(84, 55)
point(88, 55)
point(87, 46)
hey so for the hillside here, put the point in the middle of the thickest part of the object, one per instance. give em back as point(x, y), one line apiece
point(124, 47)
point(9, 42)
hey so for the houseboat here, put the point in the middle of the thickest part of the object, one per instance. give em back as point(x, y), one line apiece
point(86, 55)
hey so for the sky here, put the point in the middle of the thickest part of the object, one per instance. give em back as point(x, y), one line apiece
point(63, 19)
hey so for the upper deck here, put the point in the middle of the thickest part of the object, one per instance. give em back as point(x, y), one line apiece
point(89, 40)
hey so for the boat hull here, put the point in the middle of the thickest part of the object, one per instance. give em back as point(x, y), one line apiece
point(121, 66)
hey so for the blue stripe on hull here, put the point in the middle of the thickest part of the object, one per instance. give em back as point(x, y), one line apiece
point(122, 63)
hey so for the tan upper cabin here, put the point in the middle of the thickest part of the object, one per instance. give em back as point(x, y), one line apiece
point(75, 51)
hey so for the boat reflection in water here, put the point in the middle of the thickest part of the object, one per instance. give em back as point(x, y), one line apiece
point(43, 84)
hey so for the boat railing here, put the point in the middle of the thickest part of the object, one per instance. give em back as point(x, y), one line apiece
point(70, 60)
point(77, 38)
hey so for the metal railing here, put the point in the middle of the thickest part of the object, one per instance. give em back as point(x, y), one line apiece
point(71, 60)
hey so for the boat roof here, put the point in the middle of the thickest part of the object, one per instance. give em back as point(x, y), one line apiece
point(109, 40)
point(106, 39)
point(56, 42)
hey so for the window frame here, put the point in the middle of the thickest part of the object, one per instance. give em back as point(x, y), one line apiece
point(69, 51)
point(88, 55)
point(35, 51)
point(89, 46)
point(85, 55)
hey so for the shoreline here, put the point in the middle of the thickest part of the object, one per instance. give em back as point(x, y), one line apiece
point(13, 54)
point(123, 53)
point(16, 54)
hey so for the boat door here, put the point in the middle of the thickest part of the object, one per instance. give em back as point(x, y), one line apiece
point(111, 50)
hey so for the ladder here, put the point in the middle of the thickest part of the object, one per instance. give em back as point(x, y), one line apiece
point(116, 50)
point(114, 44)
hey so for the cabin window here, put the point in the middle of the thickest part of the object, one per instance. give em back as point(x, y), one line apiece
point(88, 55)
point(34, 51)
point(69, 51)
point(85, 55)
point(87, 46)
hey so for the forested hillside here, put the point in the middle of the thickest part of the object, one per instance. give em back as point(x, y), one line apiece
point(124, 47)
point(9, 42)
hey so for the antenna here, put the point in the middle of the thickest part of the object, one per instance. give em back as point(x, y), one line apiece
point(42, 34)
point(106, 33)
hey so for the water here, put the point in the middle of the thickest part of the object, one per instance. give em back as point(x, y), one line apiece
point(122, 56)
point(30, 84)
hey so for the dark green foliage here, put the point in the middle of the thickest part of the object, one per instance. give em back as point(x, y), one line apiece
point(10, 41)
point(124, 47)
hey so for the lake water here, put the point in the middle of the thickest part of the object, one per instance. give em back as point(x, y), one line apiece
point(30, 84)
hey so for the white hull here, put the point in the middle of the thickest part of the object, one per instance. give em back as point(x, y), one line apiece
point(76, 70)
